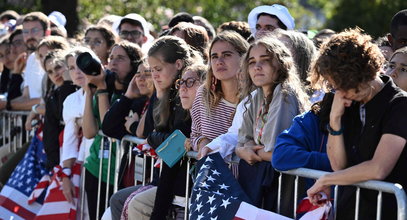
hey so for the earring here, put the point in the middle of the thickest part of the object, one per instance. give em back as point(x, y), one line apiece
point(214, 82)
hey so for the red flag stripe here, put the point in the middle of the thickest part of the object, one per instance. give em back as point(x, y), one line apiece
point(16, 208)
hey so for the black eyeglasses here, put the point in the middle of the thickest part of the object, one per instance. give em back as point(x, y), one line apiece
point(134, 34)
point(189, 82)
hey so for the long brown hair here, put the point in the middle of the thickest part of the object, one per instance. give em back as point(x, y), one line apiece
point(287, 73)
point(212, 92)
point(169, 49)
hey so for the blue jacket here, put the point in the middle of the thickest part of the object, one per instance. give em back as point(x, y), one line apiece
point(300, 145)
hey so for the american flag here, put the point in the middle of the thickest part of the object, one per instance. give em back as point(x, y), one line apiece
point(14, 195)
point(216, 195)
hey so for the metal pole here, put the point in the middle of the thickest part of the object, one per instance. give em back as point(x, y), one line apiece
point(101, 155)
point(108, 172)
point(186, 190)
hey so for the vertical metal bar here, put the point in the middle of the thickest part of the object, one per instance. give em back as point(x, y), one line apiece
point(295, 196)
point(379, 206)
point(4, 128)
point(20, 133)
point(152, 169)
point(144, 168)
point(335, 200)
point(161, 166)
point(108, 172)
point(82, 202)
point(119, 147)
point(15, 134)
point(101, 155)
point(9, 133)
point(186, 190)
point(280, 179)
point(357, 203)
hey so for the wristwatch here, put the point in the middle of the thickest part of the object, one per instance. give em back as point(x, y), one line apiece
point(332, 131)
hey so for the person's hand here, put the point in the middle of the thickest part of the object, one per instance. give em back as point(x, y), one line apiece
point(314, 195)
point(132, 91)
point(99, 80)
point(28, 122)
point(130, 121)
point(68, 189)
point(203, 152)
point(249, 153)
point(187, 144)
point(19, 63)
point(266, 156)
point(338, 109)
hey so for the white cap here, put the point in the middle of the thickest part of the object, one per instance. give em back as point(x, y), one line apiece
point(58, 19)
point(277, 10)
point(135, 17)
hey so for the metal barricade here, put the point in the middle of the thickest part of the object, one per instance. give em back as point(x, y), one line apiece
point(13, 133)
point(379, 186)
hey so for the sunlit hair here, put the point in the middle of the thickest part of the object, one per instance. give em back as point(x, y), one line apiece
point(135, 54)
point(287, 73)
point(349, 59)
point(241, 27)
point(40, 17)
point(195, 36)
point(212, 92)
point(303, 51)
point(169, 49)
point(199, 68)
point(106, 33)
point(53, 43)
point(57, 57)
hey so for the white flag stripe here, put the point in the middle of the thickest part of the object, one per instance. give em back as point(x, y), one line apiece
point(247, 211)
point(57, 208)
point(6, 214)
point(15, 195)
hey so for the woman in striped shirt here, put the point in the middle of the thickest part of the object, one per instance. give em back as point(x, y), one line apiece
point(215, 103)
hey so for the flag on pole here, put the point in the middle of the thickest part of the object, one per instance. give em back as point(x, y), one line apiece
point(216, 195)
point(20, 185)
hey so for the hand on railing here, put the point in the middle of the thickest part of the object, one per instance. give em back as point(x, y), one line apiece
point(314, 193)
point(31, 122)
point(203, 152)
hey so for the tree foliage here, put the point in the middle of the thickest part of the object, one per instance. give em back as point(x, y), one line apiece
point(371, 15)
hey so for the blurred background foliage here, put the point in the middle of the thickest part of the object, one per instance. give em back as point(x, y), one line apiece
point(371, 15)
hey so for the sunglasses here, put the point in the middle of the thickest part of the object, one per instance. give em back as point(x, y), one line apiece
point(134, 34)
point(189, 82)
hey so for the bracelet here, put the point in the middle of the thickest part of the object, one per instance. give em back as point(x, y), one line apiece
point(101, 91)
point(34, 108)
point(332, 131)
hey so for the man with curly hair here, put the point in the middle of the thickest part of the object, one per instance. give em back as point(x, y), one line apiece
point(367, 125)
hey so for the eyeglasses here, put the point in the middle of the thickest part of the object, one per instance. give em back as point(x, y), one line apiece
point(134, 34)
point(32, 31)
point(96, 42)
point(145, 75)
point(189, 82)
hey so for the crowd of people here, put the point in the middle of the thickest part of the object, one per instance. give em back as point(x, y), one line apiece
point(259, 92)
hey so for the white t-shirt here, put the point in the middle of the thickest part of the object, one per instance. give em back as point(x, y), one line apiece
point(33, 75)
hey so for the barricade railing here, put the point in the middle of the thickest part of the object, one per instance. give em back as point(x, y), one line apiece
point(13, 133)
point(379, 186)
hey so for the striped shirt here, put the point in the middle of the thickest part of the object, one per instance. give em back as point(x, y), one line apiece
point(209, 125)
